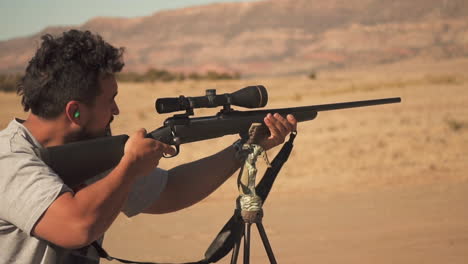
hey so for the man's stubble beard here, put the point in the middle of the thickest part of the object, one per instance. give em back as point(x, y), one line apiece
point(84, 134)
point(108, 131)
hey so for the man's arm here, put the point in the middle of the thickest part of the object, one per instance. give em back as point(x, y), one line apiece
point(73, 221)
point(190, 183)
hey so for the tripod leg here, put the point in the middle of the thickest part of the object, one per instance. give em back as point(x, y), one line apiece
point(266, 244)
point(247, 243)
point(235, 250)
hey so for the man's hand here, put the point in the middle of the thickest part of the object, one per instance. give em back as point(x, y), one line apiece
point(144, 154)
point(279, 128)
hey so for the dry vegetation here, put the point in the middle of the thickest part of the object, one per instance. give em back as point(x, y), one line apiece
point(384, 184)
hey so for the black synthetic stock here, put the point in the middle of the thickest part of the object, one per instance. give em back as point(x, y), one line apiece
point(77, 162)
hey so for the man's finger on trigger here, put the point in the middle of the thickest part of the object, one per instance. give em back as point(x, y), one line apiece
point(169, 150)
point(166, 147)
point(172, 151)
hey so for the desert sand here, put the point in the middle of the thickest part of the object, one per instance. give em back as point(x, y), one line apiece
point(383, 184)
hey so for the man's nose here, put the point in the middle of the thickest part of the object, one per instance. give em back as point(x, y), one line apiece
point(115, 110)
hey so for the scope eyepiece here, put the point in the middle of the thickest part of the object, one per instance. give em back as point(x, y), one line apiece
point(248, 97)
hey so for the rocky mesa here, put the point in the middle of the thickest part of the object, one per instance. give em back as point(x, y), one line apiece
point(276, 37)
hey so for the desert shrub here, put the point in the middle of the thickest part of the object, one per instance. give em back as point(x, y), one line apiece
point(456, 125)
point(212, 75)
point(129, 77)
point(8, 82)
point(442, 79)
point(194, 76)
point(179, 76)
point(153, 75)
point(312, 75)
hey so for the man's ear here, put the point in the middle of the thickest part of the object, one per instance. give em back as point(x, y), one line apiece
point(73, 112)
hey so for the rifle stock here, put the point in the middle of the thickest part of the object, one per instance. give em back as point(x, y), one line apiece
point(79, 161)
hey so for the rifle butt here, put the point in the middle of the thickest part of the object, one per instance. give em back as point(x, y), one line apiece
point(80, 161)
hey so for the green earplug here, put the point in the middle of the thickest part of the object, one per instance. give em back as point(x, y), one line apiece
point(77, 114)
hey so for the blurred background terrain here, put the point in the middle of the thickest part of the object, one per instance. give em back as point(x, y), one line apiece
point(383, 184)
point(276, 36)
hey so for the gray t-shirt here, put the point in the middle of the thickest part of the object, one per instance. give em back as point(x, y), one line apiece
point(28, 187)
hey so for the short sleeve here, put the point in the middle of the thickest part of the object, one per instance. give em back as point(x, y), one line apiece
point(27, 187)
point(145, 192)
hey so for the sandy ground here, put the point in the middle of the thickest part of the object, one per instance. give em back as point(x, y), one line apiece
point(385, 184)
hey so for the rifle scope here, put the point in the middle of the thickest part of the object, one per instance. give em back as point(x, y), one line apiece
point(248, 97)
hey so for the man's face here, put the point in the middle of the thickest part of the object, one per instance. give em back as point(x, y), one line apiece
point(100, 115)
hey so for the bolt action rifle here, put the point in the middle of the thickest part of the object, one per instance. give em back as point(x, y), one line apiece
point(79, 161)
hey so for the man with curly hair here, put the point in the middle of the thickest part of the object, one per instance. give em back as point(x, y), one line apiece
point(69, 88)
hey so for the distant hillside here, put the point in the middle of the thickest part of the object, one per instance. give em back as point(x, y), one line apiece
point(276, 37)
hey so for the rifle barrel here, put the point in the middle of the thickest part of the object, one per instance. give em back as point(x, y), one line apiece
point(306, 113)
point(328, 107)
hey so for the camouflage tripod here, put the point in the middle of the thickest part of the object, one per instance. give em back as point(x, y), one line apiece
point(249, 204)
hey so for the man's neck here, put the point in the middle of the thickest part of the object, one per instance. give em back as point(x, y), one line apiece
point(47, 132)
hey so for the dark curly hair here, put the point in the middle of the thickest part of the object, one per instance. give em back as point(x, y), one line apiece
point(67, 68)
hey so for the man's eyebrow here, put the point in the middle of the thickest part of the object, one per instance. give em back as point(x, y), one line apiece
point(115, 94)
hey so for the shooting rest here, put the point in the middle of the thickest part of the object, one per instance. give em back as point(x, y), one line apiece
point(249, 204)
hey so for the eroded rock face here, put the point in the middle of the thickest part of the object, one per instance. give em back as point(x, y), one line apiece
point(276, 36)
